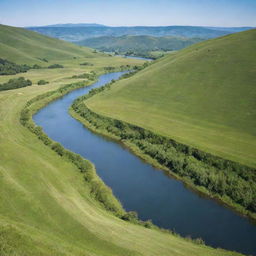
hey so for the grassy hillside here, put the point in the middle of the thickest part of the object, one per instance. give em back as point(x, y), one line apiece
point(138, 43)
point(24, 46)
point(45, 205)
point(202, 96)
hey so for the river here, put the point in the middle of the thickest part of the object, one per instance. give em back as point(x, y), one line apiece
point(142, 188)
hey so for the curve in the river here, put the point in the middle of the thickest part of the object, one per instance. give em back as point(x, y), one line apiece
point(144, 189)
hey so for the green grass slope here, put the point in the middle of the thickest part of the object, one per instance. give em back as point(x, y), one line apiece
point(202, 96)
point(24, 46)
point(138, 43)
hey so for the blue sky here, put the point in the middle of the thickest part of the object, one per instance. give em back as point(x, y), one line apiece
point(129, 13)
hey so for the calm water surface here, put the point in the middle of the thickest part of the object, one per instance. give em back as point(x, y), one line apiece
point(144, 189)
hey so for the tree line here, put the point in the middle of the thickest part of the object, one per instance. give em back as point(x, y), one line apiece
point(90, 76)
point(10, 68)
point(15, 83)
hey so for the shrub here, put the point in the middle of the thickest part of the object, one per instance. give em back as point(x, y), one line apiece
point(55, 66)
point(43, 59)
point(15, 83)
point(10, 68)
point(58, 148)
point(36, 66)
point(199, 241)
point(109, 69)
point(42, 82)
point(90, 76)
point(86, 64)
point(148, 224)
point(130, 216)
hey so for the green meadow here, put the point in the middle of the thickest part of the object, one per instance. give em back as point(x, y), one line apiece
point(202, 96)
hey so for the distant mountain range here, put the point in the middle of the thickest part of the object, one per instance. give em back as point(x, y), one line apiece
point(72, 25)
point(78, 32)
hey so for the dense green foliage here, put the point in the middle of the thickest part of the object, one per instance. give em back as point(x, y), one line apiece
point(86, 64)
point(221, 178)
point(55, 66)
point(36, 66)
point(10, 68)
point(138, 45)
point(122, 68)
point(15, 83)
point(90, 76)
point(42, 82)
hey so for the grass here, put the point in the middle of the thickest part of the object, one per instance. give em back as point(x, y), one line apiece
point(203, 96)
point(27, 47)
point(46, 207)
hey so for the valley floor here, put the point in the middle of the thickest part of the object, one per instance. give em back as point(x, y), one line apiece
point(46, 208)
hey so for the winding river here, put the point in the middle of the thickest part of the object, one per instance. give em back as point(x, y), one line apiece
point(144, 189)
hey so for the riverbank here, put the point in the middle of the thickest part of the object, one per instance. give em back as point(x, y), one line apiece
point(138, 152)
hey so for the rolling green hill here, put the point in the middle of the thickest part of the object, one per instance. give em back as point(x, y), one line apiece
point(203, 96)
point(24, 46)
point(138, 43)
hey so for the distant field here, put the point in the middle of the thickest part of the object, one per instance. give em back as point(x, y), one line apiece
point(202, 96)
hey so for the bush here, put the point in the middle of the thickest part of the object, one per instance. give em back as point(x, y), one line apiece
point(58, 148)
point(90, 76)
point(43, 59)
point(55, 66)
point(148, 224)
point(42, 82)
point(130, 216)
point(86, 64)
point(199, 241)
point(36, 66)
point(15, 83)
point(10, 68)
point(109, 69)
